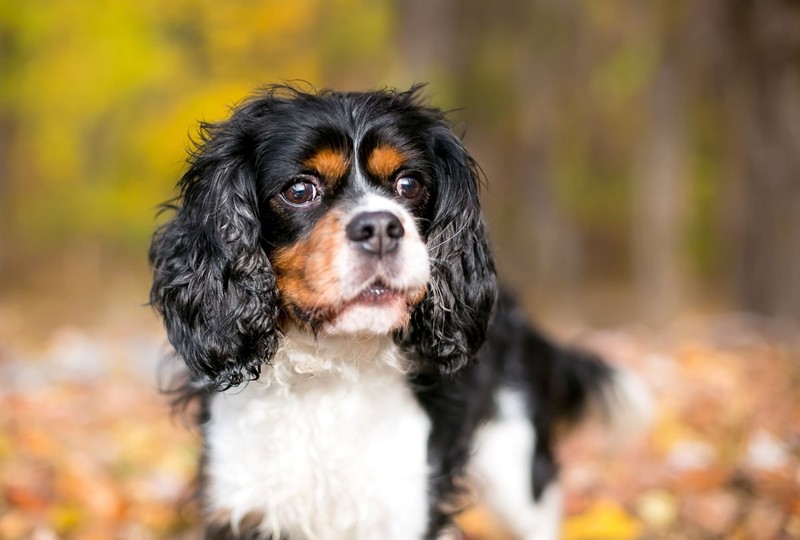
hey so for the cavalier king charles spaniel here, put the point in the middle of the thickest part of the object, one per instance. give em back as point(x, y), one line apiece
point(326, 280)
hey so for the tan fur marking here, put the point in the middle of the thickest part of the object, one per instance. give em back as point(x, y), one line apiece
point(417, 297)
point(307, 279)
point(384, 161)
point(330, 163)
point(305, 272)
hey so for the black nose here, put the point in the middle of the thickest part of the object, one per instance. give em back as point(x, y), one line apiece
point(378, 233)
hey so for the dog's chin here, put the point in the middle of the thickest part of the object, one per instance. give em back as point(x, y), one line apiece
point(376, 311)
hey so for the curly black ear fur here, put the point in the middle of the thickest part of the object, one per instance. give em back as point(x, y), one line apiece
point(213, 283)
point(449, 326)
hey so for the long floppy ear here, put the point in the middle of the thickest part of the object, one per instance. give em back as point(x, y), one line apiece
point(212, 281)
point(449, 325)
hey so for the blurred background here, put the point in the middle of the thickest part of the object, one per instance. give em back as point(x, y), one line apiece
point(643, 180)
point(647, 153)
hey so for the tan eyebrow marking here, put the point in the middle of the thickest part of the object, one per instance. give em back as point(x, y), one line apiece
point(384, 161)
point(330, 163)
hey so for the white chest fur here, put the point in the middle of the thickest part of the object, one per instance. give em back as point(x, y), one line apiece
point(329, 444)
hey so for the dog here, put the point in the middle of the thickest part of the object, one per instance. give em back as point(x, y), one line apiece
point(327, 281)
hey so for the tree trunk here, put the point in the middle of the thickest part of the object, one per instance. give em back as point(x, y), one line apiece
point(764, 40)
point(428, 34)
point(657, 203)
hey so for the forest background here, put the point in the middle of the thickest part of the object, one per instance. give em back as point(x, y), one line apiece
point(642, 164)
point(642, 158)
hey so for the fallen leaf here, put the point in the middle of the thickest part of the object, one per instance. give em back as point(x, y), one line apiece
point(605, 520)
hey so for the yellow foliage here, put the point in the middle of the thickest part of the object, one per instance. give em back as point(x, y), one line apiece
point(605, 520)
point(100, 96)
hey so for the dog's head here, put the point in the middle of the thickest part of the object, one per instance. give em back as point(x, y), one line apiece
point(338, 213)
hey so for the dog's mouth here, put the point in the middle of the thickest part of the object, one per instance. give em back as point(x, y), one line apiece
point(377, 293)
point(378, 307)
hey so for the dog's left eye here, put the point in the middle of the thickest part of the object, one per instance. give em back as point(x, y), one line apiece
point(408, 187)
point(300, 193)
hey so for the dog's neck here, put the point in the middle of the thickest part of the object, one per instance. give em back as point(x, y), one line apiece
point(305, 358)
point(316, 446)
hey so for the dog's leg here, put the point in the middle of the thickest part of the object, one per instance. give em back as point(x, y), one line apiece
point(503, 468)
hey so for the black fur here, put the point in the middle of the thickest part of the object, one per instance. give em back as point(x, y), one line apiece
point(450, 324)
point(213, 281)
point(215, 286)
point(558, 382)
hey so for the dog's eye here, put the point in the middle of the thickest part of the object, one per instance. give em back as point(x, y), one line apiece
point(300, 193)
point(408, 187)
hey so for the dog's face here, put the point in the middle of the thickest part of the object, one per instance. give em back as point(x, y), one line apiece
point(337, 213)
point(344, 200)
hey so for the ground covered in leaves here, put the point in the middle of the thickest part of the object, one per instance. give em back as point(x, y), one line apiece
point(88, 449)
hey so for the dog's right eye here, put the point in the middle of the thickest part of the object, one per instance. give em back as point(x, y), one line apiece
point(301, 193)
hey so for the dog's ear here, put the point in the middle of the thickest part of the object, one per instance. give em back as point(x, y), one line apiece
point(212, 282)
point(449, 325)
